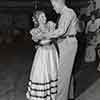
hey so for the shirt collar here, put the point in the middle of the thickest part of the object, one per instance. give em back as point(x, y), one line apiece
point(63, 9)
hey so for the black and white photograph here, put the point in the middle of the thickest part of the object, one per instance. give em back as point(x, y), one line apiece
point(49, 49)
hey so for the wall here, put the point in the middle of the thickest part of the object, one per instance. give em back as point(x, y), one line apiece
point(98, 3)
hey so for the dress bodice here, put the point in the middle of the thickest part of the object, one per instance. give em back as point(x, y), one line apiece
point(45, 42)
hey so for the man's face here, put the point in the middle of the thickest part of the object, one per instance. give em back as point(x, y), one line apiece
point(56, 6)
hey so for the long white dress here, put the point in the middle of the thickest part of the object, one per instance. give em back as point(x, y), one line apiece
point(44, 77)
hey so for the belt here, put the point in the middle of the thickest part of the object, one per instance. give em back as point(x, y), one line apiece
point(70, 36)
point(91, 32)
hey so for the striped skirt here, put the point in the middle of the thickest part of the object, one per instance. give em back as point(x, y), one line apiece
point(44, 76)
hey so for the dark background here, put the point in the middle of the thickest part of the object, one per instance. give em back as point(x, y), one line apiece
point(17, 48)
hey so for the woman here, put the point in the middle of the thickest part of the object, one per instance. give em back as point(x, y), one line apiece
point(91, 30)
point(67, 43)
point(43, 77)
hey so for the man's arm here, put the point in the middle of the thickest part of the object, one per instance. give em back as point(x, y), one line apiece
point(65, 20)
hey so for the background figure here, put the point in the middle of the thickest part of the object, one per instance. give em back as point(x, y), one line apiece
point(98, 49)
point(98, 56)
point(91, 29)
point(81, 42)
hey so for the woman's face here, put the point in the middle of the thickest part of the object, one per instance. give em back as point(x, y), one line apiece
point(93, 17)
point(34, 19)
point(42, 18)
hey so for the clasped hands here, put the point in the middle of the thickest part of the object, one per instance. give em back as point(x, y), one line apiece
point(43, 38)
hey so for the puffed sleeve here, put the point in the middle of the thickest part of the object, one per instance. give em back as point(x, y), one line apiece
point(34, 31)
point(36, 34)
point(51, 26)
point(64, 22)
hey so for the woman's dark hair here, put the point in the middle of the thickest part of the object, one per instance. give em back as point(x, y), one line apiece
point(93, 13)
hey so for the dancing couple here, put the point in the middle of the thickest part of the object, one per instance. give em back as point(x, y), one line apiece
point(53, 63)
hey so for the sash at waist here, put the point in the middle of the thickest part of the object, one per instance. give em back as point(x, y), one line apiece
point(54, 41)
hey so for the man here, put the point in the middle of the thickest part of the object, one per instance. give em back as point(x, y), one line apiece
point(67, 45)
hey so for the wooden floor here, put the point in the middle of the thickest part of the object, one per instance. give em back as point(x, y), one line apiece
point(85, 77)
point(92, 93)
point(15, 64)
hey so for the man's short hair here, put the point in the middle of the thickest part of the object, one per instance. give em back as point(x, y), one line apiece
point(58, 0)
